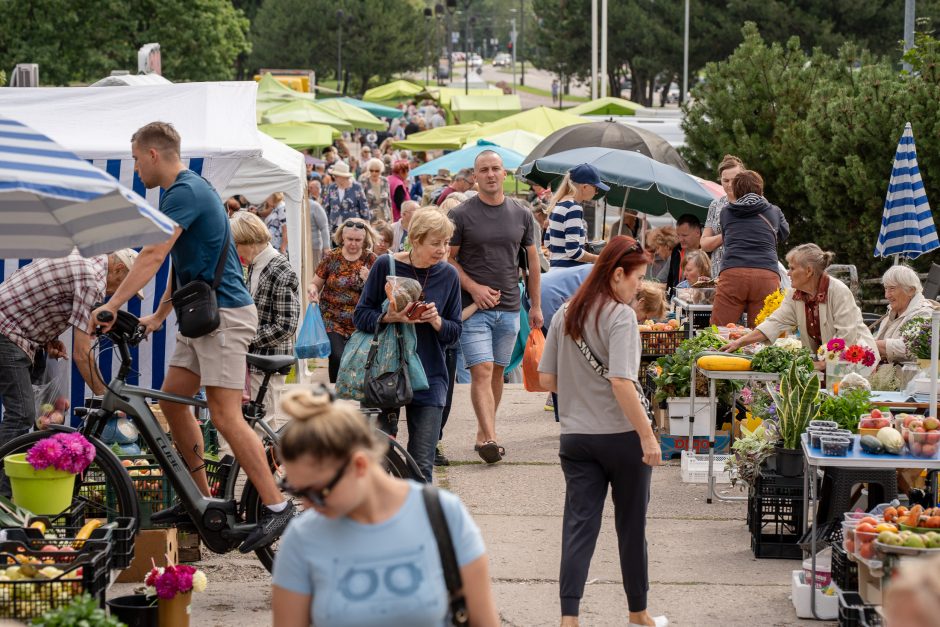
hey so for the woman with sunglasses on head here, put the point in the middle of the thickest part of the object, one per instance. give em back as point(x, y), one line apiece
point(364, 553)
point(436, 328)
point(591, 361)
point(338, 284)
point(566, 234)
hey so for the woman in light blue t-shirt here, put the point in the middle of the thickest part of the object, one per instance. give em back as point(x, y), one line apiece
point(363, 553)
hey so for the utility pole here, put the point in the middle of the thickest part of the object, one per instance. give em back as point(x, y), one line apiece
point(512, 42)
point(521, 39)
point(603, 77)
point(593, 49)
point(908, 30)
point(685, 58)
point(340, 17)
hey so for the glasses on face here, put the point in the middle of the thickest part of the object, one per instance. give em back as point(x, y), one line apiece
point(355, 225)
point(375, 171)
point(317, 497)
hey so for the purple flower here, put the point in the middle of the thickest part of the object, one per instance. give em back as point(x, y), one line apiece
point(167, 585)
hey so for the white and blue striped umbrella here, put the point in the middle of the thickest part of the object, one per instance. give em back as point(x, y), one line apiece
point(907, 228)
point(51, 202)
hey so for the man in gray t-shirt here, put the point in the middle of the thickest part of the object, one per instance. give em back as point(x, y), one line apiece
point(489, 232)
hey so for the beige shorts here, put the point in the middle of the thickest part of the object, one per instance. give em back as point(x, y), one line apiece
point(219, 358)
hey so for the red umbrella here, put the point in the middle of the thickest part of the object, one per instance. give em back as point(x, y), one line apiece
point(711, 187)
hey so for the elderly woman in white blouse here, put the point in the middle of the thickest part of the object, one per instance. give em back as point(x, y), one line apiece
point(905, 302)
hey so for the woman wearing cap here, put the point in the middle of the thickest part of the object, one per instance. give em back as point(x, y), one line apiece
point(344, 198)
point(338, 284)
point(363, 552)
point(376, 188)
point(566, 234)
point(398, 186)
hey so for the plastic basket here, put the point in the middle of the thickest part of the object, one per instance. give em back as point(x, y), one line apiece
point(694, 468)
point(154, 492)
point(854, 612)
point(85, 570)
point(210, 436)
point(844, 571)
point(769, 484)
point(217, 472)
point(119, 533)
point(659, 343)
point(776, 525)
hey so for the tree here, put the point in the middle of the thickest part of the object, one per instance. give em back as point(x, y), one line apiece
point(379, 38)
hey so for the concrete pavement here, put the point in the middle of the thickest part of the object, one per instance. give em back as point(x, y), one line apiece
point(701, 569)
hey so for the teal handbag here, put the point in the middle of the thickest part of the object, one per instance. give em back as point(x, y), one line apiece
point(350, 382)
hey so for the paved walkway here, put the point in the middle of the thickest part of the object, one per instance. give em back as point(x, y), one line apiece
point(702, 572)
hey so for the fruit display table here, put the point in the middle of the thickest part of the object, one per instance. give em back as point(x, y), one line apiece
point(814, 460)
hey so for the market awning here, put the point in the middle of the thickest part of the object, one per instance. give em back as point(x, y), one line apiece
point(444, 138)
point(374, 108)
point(606, 106)
point(300, 135)
point(541, 121)
point(358, 117)
point(304, 111)
point(488, 108)
point(396, 90)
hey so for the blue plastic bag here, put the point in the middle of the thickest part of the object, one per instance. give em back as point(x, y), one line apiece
point(312, 343)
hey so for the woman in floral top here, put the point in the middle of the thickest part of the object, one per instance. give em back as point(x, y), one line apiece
point(338, 284)
point(375, 187)
point(344, 198)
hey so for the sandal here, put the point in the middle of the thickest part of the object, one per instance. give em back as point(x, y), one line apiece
point(491, 452)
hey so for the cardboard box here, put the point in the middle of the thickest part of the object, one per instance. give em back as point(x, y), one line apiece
point(673, 445)
point(189, 547)
point(153, 546)
point(158, 414)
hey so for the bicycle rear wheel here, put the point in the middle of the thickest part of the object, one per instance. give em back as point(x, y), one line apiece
point(104, 490)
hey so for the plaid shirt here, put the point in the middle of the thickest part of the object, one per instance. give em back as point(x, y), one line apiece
point(41, 300)
point(278, 309)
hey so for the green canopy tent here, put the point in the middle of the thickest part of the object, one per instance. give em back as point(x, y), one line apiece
point(380, 111)
point(522, 142)
point(541, 121)
point(300, 135)
point(269, 88)
point(394, 92)
point(444, 95)
point(359, 118)
point(304, 111)
point(443, 138)
point(484, 109)
point(606, 106)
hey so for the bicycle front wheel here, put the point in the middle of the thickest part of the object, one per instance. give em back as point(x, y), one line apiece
point(104, 490)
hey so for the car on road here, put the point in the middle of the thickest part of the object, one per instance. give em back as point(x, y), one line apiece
point(503, 59)
point(476, 61)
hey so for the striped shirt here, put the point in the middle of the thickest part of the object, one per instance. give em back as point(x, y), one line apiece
point(566, 235)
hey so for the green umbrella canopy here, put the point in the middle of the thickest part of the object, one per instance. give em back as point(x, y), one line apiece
point(300, 135)
point(540, 120)
point(269, 86)
point(484, 109)
point(358, 117)
point(606, 106)
point(378, 110)
point(303, 111)
point(636, 181)
point(396, 90)
point(444, 138)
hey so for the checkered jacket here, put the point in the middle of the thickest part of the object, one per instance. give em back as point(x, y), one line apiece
point(278, 304)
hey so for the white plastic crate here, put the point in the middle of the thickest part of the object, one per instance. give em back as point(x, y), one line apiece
point(679, 411)
point(827, 605)
point(694, 468)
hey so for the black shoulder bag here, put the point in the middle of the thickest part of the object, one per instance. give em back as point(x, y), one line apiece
point(445, 546)
point(197, 309)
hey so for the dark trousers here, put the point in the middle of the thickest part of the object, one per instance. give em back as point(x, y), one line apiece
point(450, 359)
point(337, 346)
point(591, 463)
point(424, 426)
point(19, 405)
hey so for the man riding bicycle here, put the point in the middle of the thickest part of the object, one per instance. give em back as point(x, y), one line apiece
point(215, 361)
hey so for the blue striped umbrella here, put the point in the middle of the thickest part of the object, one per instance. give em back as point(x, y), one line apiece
point(907, 228)
point(52, 202)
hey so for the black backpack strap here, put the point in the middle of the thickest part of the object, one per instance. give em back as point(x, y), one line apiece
point(220, 266)
point(445, 546)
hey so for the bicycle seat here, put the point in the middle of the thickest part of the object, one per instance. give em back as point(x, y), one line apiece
point(271, 364)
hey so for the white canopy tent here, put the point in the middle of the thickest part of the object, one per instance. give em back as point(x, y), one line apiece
point(220, 141)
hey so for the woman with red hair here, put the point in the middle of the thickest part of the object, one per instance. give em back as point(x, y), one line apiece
point(398, 187)
point(591, 360)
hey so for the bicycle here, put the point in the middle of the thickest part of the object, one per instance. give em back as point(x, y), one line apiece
point(222, 522)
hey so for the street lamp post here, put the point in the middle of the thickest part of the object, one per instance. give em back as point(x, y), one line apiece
point(428, 14)
point(451, 8)
point(340, 17)
point(439, 13)
point(521, 40)
point(468, 21)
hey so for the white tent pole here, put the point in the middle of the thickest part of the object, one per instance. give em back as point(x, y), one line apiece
point(593, 49)
point(934, 350)
point(603, 74)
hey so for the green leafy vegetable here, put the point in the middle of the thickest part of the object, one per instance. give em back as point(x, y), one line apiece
point(777, 359)
point(82, 611)
point(846, 407)
point(674, 378)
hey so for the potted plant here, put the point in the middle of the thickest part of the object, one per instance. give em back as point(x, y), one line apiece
point(174, 586)
point(917, 336)
point(796, 403)
point(750, 450)
point(43, 478)
point(81, 610)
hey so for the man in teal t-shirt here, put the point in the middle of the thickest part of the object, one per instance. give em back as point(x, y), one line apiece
point(215, 361)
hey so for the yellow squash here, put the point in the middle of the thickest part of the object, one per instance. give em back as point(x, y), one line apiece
point(723, 362)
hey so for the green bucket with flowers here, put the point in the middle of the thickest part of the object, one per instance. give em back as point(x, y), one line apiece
point(43, 478)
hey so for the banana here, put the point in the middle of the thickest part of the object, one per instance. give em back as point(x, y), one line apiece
point(85, 532)
point(38, 524)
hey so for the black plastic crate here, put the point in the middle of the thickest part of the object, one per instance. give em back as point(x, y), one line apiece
point(844, 570)
point(769, 484)
point(154, 492)
point(119, 533)
point(826, 534)
point(780, 547)
point(776, 525)
point(217, 472)
point(84, 570)
point(853, 611)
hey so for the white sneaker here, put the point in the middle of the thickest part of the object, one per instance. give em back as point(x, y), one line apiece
point(659, 621)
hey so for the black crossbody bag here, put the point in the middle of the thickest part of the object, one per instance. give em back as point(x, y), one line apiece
point(196, 305)
point(445, 546)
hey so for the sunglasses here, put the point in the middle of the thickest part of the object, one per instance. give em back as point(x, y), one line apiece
point(355, 225)
point(317, 497)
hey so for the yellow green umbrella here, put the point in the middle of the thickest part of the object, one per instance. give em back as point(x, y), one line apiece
point(396, 90)
point(522, 142)
point(303, 111)
point(540, 120)
point(606, 106)
point(299, 135)
point(269, 86)
point(444, 138)
point(358, 117)
point(484, 109)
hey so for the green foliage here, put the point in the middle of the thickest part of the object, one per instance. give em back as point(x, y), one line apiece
point(379, 39)
point(83, 611)
point(675, 377)
point(777, 359)
point(845, 408)
point(750, 450)
point(797, 402)
point(83, 40)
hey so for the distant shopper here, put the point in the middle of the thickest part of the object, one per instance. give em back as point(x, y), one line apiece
point(729, 168)
point(697, 266)
point(567, 235)
point(689, 232)
point(344, 198)
point(398, 186)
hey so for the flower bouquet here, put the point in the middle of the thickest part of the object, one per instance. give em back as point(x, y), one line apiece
point(173, 586)
point(842, 360)
point(917, 335)
point(771, 302)
point(43, 479)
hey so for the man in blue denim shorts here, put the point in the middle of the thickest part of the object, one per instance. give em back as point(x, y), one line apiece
point(490, 231)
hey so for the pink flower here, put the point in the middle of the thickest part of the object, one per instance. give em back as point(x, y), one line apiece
point(835, 344)
point(69, 452)
point(166, 584)
point(869, 359)
point(44, 453)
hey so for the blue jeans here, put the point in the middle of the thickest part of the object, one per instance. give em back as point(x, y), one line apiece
point(19, 405)
point(424, 429)
point(489, 337)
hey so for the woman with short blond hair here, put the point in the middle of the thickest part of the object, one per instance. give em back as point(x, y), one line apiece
point(375, 186)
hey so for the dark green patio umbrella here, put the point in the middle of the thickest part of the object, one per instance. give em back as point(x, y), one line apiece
point(636, 181)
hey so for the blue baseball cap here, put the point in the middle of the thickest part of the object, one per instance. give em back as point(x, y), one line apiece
point(587, 174)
